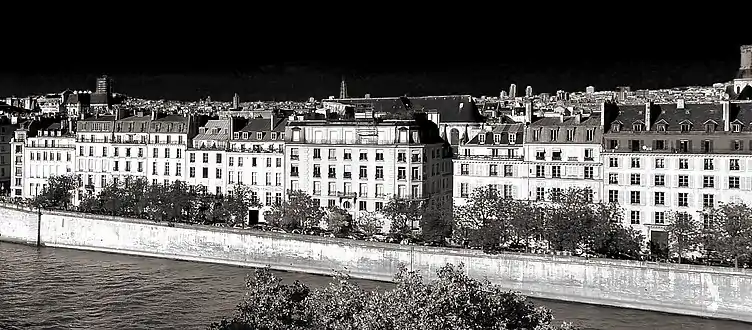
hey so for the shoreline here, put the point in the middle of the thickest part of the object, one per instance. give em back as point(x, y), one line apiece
point(704, 291)
point(326, 274)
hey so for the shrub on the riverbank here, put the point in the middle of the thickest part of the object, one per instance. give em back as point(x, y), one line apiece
point(452, 301)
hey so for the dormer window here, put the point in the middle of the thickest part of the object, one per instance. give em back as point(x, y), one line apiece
point(637, 127)
point(661, 127)
point(615, 128)
point(685, 127)
point(736, 128)
point(236, 135)
point(259, 135)
point(709, 128)
point(274, 135)
point(497, 138)
point(202, 130)
point(482, 138)
point(245, 135)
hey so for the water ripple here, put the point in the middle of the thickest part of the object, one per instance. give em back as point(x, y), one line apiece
point(46, 288)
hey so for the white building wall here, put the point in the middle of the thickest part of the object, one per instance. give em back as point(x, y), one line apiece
point(645, 215)
point(574, 169)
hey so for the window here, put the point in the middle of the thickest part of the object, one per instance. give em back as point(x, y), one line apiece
point(659, 218)
point(316, 153)
point(555, 171)
point(634, 217)
point(660, 163)
point(613, 162)
point(464, 169)
point(635, 162)
point(497, 138)
point(683, 199)
point(683, 164)
point(508, 170)
point(613, 178)
point(659, 180)
point(708, 181)
point(685, 127)
point(733, 182)
point(634, 197)
point(736, 128)
point(588, 172)
point(590, 135)
point(733, 164)
point(708, 164)
point(634, 179)
point(637, 127)
point(708, 200)
point(659, 198)
point(540, 193)
point(684, 181)
point(588, 154)
point(613, 196)
point(205, 158)
point(570, 135)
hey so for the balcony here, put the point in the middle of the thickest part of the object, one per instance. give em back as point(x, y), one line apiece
point(360, 141)
point(488, 157)
point(589, 159)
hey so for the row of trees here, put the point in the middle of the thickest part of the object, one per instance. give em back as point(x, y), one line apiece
point(452, 301)
point(135, 197)
point(486, 221)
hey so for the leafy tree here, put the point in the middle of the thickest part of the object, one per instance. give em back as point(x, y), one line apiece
point(571, 223)
point(368, 223)
point(527, 223)
point(732, 236)
point(487, 218)
point(59, 191)
point(436, 219)
point(299, 211)
point(452, 301)
point(403, 213)
point(238, 203)
point(684, 232)
point(338, 220)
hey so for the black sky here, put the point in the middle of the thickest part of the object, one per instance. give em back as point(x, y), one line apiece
point(397, 66)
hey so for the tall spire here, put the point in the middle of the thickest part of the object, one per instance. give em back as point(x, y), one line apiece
point(343, 89)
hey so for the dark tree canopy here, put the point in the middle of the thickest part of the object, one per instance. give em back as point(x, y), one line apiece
point(452, 301)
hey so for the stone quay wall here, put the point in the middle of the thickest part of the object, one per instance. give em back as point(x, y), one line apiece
point(682, 289)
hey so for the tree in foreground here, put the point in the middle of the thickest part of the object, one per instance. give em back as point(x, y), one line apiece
point(58, 192)
point(452, 301)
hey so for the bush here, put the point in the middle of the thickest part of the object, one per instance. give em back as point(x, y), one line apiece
point(452, 301)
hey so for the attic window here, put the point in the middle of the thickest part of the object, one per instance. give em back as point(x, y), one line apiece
point(236, 135)
point(736, 128)
point(661, 127)
point(202, 130)
point(259, 135)
point(245, 135)
point(274, 135)
point(637, 127)
point(497, 138)
point(615, 128)
point(685, 127)
point(482, 138)
point(709, 128)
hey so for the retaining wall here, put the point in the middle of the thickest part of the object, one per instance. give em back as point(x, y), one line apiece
point(682, 289)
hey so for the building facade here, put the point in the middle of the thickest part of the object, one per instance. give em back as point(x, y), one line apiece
point(40, 149)
point(676, 157)
point(360, 164)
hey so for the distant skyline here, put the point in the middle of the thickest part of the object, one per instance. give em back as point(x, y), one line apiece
point(473, 71)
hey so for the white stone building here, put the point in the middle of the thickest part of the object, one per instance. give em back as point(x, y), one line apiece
point(359, 164)
point(676, 157)
point(41, 149)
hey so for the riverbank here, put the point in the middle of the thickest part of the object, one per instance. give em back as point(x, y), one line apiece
point(682, 289)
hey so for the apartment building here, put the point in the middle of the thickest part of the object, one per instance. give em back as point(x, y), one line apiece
point(494, 157)
point(7, 129)
point(676, 157)
point(359, 162)
point(256, 159)
point(562, 150)
point(41, 148)
point(207, 157)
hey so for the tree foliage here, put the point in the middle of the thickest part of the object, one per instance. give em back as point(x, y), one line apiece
point(451, 301)
point(369, 223)
point(338, 220)
point(684, 232)
point(176, 202)
point(566, 223)
point(403, 213)
point(728, 232)
point(59, 192)
point(299, 211)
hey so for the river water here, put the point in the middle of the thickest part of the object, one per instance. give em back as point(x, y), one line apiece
point(49, 288)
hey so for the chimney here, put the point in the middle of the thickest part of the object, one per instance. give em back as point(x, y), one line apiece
point(578, 118)
point(272, 121)
point(154, 114)
point(528, 112)
point(726, 115)
point(70, 125)
point(680, 103)
point(603, 115)
point(368, 96)
point(561, 117)
point(81, 116)
point(648, 105)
